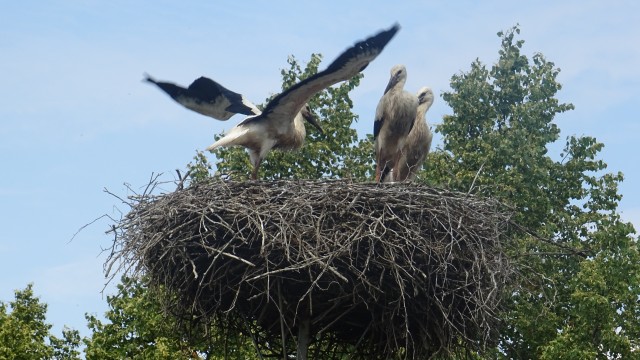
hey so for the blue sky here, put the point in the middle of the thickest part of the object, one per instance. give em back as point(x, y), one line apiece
point(76, 118)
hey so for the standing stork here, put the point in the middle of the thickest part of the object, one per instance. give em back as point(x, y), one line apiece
point(280, 125)
point(418, 141)
point(395, 115)
point(207, 97)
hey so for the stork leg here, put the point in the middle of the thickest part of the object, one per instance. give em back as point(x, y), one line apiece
point(396, 168)
point(256, 167)
point(385, 172)
point(382, 171)
point(254, 157)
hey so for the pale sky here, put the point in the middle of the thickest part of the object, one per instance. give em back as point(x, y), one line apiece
point(76, 117)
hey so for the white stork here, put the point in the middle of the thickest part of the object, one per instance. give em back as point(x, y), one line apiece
point(418, 141)
point(395, 115)
point(280, 125)
point(207, 97)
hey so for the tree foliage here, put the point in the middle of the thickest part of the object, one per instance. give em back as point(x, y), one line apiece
point(136, 327)
point(24, 333)
point(571, 304)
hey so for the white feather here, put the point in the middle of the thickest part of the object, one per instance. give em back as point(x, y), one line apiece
point(235, 134)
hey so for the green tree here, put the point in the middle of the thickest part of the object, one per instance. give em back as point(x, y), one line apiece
point(571, 304)
point(67, 348)
point(24, 333)
point(136, 327)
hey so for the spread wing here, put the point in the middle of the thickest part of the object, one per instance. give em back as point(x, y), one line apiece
point(209, 98)
point(211, 92)
point(352, 61)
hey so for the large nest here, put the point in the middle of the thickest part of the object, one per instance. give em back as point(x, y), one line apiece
point(383, 270)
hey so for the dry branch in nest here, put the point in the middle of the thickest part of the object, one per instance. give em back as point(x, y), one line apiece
point(383, 270)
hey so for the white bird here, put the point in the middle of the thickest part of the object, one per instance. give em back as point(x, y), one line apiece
point(416, 148)
point(207, 97)
point(280, 125)
point(395, 115)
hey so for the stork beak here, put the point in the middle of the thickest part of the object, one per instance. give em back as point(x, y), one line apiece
point(308, 115)
point(392, 82)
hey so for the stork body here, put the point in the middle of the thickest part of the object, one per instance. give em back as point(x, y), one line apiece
point(395, 115)
point(260, 136)
point(280, 125)
point(416, 147)
point(207, 97)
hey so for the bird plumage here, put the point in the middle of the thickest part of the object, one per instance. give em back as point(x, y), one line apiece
point(395, 115)
point(207, 97)
point(418, 142)
point(260, 137)
point(280, 124)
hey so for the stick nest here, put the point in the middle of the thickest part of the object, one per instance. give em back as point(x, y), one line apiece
point(383, 270)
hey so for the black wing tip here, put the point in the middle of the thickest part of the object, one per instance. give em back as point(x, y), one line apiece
point(206, 84)
point(148, 78)
point(373, 44)
point(381, 39)
point(203, 79)
point(385, 36)
point(377, 125)
point(393, 29)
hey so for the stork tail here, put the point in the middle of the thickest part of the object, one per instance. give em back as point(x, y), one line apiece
point(230, 139)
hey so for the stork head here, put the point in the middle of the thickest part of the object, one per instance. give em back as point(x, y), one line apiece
point(425, 97)
point(398, 76)
point(308, 115)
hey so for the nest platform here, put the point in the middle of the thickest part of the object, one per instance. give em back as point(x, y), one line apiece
point(382, 269)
